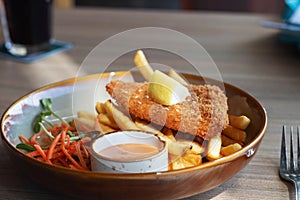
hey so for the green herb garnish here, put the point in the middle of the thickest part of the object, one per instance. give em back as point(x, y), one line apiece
point(25, 147)
point(42, 117)
point(70, 133)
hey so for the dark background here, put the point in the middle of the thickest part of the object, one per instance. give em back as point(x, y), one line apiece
point(257, 6)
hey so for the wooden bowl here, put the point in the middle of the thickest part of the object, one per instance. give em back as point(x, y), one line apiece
point(79, 93)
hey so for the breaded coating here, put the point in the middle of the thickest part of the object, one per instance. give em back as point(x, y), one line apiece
point(204, 113)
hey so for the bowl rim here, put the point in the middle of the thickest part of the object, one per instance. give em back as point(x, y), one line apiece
point(150, 175)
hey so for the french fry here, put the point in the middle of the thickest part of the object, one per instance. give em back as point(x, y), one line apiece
point(84, 124)
point(104, 119)
point(193, 146)
point(168, 133)
point(143, 125)
point(177, 148)
point(177, 77)
point(188, 159)
point(191, 158)
point(196, 148)
point(123, 121)
point(105, 129)
point(234, 133)
point(177, 164)
point(85, 114)
point(143, 65)
point(226, 140)
point(214, 147)
point(230, 149)
point(100, 108)
point(174, 147)
point(240, 122)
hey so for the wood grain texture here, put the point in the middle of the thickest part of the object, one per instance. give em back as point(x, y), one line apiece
point(246, 54)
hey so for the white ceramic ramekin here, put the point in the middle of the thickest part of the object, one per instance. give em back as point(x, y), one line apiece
point(154, 163)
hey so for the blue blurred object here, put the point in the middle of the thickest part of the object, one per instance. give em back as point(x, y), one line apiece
point(291, 16)
point(56, 47)
point(290, 8)
point(290, 26)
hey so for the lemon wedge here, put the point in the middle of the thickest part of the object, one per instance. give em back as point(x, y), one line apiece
point(165, 90)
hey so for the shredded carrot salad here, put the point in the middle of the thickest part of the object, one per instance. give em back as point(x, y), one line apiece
point(63, 147)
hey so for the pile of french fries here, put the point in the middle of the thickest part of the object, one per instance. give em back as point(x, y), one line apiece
point(182, 153)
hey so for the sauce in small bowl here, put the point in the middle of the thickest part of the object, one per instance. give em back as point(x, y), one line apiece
point(129, 152)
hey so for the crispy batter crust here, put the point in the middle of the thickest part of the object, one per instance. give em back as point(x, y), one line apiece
point(203, 114)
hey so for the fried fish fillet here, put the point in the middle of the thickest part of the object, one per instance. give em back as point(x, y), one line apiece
point(202, 114)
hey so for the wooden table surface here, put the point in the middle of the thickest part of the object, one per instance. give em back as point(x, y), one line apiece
point(247, 55)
